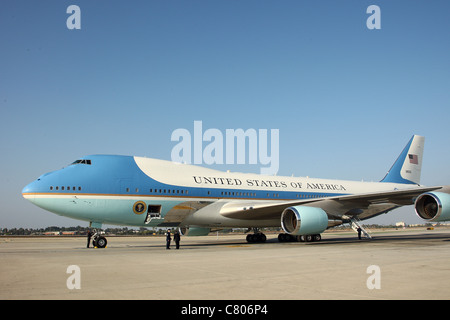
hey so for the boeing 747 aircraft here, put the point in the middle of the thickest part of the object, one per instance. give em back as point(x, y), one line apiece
point(136, 191)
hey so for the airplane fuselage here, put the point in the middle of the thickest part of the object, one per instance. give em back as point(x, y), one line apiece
point(136, 191)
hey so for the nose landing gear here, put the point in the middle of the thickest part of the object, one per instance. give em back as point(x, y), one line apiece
point(98, 241)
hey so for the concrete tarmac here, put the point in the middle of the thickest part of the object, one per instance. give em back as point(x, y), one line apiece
point(408, 265)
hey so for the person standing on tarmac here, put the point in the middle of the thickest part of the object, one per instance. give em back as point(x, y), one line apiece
point(168, 239)
point(359, 233)
point(89, 236)
point(176, 238)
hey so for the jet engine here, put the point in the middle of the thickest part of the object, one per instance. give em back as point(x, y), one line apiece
point(301, 220)
point(194, 231)
point(433, 206)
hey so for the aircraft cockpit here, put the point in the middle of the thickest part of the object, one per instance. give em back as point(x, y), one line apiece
point(84, 161)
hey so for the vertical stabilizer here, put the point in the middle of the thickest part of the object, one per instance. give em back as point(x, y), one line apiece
point(408, 166)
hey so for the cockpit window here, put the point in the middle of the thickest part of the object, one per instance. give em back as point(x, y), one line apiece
point(84, 161)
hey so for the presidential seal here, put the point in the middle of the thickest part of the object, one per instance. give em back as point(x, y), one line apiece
point(139, 207)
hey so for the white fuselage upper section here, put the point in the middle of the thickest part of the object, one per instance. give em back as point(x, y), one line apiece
point(191, 176)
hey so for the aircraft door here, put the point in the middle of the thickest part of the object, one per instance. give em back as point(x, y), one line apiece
point(153, 212)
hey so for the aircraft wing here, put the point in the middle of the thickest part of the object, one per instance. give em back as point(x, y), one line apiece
point(335, 207)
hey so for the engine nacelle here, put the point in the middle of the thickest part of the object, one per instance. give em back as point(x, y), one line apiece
point(433, 206)
point(301, 220)
point(194, 231)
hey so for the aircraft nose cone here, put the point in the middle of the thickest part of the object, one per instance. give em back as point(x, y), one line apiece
point(28, 191)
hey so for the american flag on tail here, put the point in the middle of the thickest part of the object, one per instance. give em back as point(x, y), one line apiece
point(413, 159)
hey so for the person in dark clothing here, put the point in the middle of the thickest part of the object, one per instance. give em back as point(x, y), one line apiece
point(359, 233)
point(89, 236)
point(168, 239)
point(176, 238)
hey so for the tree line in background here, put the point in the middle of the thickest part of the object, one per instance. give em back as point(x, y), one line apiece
point(53, 230)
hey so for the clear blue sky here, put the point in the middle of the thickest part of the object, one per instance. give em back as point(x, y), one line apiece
point(346, 99)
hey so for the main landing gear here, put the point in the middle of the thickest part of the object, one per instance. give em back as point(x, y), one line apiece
point(256, 237)
point(259, 237)
point(284, 237)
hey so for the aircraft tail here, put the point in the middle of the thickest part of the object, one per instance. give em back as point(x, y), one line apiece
point(408, 166)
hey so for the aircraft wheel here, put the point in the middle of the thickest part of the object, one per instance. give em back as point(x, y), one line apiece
point(256, 237)
point(100, 242)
